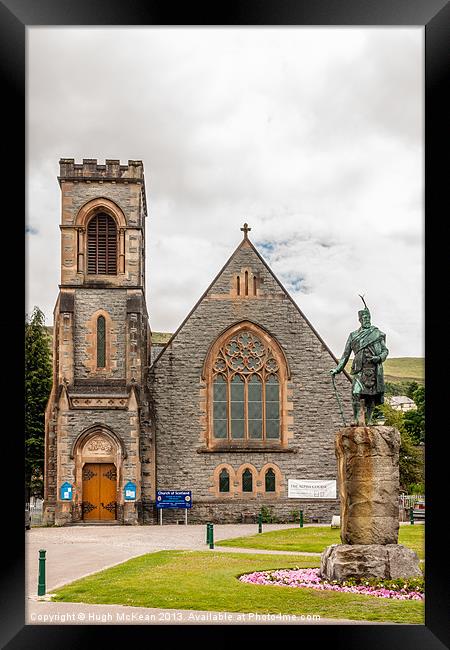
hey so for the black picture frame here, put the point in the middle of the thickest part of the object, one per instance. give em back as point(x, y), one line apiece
point(15, 17)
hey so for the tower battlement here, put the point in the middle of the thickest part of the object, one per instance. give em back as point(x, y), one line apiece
point(90, 170)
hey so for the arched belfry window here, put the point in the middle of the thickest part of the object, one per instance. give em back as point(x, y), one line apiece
point(102, 245)
point(246, 391)
point(101, 342)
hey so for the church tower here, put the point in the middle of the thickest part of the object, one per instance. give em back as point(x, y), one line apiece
point(98, 445)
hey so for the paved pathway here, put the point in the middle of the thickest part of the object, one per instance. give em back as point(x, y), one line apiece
point(77, 551)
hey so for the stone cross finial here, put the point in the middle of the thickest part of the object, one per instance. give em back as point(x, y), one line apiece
point(245, 230)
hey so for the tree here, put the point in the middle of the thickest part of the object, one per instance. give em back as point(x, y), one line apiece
point(38, 383)
point(415, 418)
point(411, 388)
point(410, 458)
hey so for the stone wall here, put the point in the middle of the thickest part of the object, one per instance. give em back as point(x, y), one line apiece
point(87, 303)
point(178, 397)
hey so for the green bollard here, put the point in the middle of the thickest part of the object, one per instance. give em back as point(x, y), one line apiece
point(301, 518)
point(411, 517)
point(260, 522)
point(211, 536)
point(41, 579)
point(207, 532)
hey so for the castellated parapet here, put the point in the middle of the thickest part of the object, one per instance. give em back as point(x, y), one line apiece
point(89, 169)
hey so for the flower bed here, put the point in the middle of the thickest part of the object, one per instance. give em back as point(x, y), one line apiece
point(412, 589)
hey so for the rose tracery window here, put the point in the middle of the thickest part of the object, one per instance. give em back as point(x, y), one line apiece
point(246, 391)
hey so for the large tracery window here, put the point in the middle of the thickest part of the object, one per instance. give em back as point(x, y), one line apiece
point(102, 245)
point(246, 391)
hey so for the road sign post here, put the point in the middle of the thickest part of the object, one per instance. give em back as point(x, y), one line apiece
point(173, 499)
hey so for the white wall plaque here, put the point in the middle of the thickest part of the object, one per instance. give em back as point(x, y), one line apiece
point(306, 489)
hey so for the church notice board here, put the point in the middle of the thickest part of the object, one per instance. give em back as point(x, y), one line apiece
point(173, 499)
point(306, 489)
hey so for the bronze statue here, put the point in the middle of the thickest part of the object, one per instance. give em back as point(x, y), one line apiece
point(369, 347)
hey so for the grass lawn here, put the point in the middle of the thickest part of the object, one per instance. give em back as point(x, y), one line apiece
point(207, 580)
point(316, 538)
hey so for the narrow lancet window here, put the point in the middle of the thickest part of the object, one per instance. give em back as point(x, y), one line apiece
point(247, 481)
point(224, 481)
point(101, 342)
point(270, 480)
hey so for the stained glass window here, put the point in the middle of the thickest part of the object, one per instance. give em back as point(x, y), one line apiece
point(246, 390)
point(220, 407)
point(255, 413)
point(224, 481)
point(237, 407)
point(270, 480)
point(101, 342)
point(247, 481)
point(272, 407)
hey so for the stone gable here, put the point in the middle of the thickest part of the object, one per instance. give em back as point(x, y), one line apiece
point(178, 392)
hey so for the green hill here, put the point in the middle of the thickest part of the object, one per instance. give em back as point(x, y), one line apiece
point(402, 369)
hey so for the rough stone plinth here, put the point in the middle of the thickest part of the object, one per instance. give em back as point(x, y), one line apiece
point(387, 561)
point(368, 476)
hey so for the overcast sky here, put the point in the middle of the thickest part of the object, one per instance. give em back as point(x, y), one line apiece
point(314, 136)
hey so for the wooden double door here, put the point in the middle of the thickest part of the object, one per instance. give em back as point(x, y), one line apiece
point(99, 491)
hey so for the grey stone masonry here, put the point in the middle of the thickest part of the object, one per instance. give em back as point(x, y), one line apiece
point(178, 399)
point(99, 393)
point(87, 303)
point(91, 180)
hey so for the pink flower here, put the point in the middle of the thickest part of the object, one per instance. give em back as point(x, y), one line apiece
point(311, 578)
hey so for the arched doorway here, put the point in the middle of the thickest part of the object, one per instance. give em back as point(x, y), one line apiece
point(98, 459)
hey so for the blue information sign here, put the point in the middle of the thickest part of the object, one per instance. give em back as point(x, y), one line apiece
point(129, 491)
point(65, 492)
point(173, 499)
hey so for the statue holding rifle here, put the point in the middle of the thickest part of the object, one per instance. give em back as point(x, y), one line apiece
point(368, 344)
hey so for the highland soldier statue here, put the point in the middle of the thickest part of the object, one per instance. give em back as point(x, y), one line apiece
point(369, 347)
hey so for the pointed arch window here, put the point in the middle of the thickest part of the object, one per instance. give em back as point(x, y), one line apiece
point(247, 481)
point(102, 245)
point(246, 391)
point(224, 481)
point(270, 480)
point(101, 342)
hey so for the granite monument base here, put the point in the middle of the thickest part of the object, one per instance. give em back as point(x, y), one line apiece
point(386, 561)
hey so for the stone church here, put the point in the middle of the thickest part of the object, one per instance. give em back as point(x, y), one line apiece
point(236, 403)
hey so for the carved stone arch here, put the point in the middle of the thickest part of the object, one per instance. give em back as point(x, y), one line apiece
point(279, 483)
point(216, 477)
point(100, 204)
point(85, 214)
point(97, 444)
point(264, 359)
point(97, 429)
point(259, 330)
point(239, 472)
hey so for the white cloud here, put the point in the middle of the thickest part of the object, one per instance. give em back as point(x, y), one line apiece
point(312, 135)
